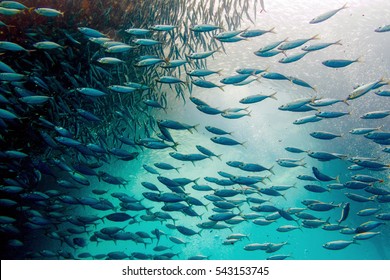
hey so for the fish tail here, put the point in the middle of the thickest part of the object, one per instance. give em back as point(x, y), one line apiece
point(258, 79)
point(218, 49)
point(195, 127)
point(221, 87)
point(344, 6)
point(177, 169)
point(272, 30)
point(243, 144)
point(219, 157)
point(359, 59)
point(219, 72)
point(273, 96)
point(174, 147)
point(345, 101)
point(338, 42)
point(355, 242)
point(270, 170)
point(337, 178)
point(316, 37)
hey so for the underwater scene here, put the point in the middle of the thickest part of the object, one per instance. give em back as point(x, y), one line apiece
point(199, 129)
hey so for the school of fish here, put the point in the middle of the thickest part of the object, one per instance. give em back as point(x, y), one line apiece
point(75, 101)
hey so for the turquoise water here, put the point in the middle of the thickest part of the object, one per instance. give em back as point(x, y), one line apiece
point(266, 133)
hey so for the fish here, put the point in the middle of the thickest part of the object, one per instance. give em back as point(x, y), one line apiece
point(222, 217)
point(187, 231)
point(234, 79)
point(362, 131)
point(375, 115)
point(222, 140)
point(206, 84)
point(166, 166)
point(202, 55)
point(278, 257)
point(320, 46)
point(254, 167)
point(207, 152)
point(256, 246)
point(338, 244)
point(339, 63)
point(293, 58)
point(315, 188)
point(321, 206)
point(269, 53)
point(359, 198)
point(331, 114)
point(324, 135)
point(332, 227)
point(203, 72)
point(227, 34)
point(344, 212)
point(368, 212)
point(365, 235)
point(287, 228)
point(326, 102)
point(323, 177)
point(366, 178)
point(367, 226)
point(325, 156)
point(256, 98)
point(384, 28)
point(169, 80)
point(363, 89)
point(290, 164)
point(327, 15)
point(250, 33)
point(176, 125)
point(204, 28)
point(137, 31)
point(295, 43)
point(307, 119)
point(383, 216)
point(47, 45)
point(49, 12)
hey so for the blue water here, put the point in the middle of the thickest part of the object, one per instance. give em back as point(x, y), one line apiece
point(266, 132)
